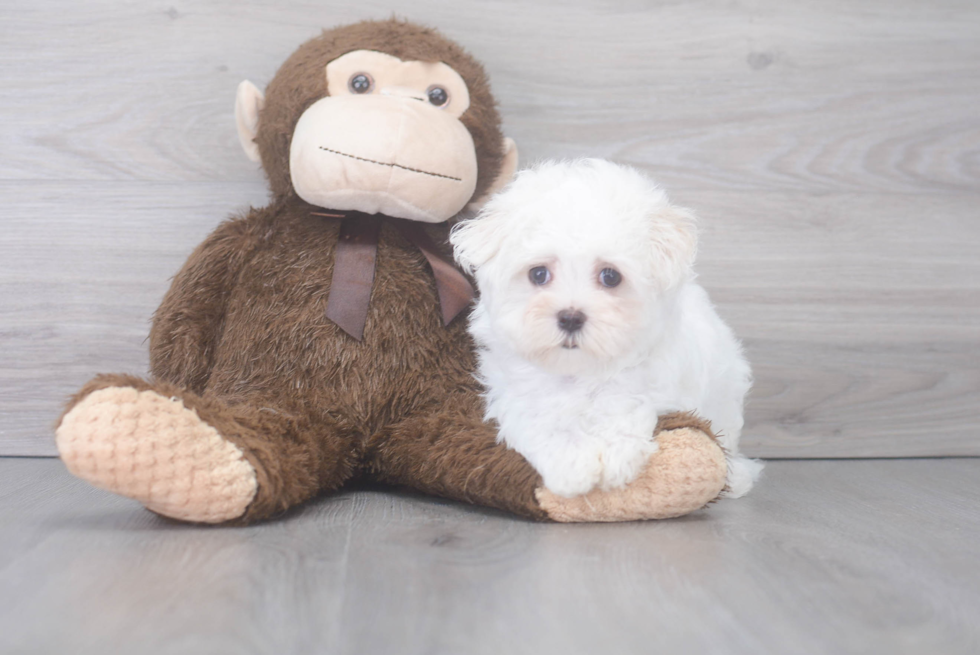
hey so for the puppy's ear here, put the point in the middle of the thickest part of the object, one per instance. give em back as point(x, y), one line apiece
point(477, 240)
point(674, 243)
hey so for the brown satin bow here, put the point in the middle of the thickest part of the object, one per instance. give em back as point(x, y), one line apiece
point(353, 270)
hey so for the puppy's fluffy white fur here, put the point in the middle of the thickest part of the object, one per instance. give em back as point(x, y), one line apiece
point(582, 406)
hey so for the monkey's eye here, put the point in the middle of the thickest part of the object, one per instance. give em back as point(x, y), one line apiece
point(360, 83)
point(539, 275)
point(610, 277)
point(437, 95)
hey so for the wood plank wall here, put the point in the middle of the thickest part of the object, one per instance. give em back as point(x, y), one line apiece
point(831, 149)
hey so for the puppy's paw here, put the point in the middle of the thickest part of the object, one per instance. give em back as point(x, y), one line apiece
point(573, 473)
point(742, 475)
point(623, 461)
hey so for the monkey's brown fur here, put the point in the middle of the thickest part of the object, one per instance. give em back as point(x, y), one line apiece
point(242, 339)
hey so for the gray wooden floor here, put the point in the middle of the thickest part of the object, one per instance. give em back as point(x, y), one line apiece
point(836, 557)
point(832, 150)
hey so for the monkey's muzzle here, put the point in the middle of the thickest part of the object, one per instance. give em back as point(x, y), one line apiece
point(383, 154)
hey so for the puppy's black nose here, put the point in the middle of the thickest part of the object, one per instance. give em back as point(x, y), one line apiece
point(571, 320)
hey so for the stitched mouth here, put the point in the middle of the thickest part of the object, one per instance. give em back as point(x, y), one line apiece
point(381, 163)
point(569, 344)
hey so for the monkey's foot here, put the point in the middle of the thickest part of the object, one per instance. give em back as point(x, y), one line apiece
point(687, 473)
point(152, 448)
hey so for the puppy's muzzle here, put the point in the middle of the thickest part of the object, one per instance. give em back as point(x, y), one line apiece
point(571, 320)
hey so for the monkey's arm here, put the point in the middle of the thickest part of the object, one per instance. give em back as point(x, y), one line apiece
point(191, 317)
point(449, 451)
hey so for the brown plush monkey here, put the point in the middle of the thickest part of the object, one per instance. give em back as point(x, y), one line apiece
point(317, 339)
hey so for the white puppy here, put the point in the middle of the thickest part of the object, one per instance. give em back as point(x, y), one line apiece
point(590, 325)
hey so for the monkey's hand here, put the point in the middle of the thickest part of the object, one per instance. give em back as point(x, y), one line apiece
point(686, 473)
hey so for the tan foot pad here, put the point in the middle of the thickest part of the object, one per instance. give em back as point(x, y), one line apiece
point(687, 473)
point(152, 448)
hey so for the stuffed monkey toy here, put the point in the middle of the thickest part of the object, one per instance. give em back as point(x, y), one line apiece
point(322, 337)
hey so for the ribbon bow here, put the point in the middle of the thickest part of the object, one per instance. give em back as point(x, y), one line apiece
point(353, 270)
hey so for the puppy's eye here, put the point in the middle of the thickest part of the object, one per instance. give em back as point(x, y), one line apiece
point(539, 275)
point(610, 277)
point(360, 83)
point(437, 96)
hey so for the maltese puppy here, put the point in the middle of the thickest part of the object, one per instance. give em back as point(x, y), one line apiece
point(590, 325)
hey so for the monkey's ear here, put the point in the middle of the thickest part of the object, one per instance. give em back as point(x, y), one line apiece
point(248, 102)
point(507, 169)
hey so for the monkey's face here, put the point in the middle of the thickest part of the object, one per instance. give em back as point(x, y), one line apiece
point(349, 124)
point(387, 139)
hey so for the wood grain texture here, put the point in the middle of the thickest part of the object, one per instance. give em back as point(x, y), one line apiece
point(832, 151)
point(873, 556)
